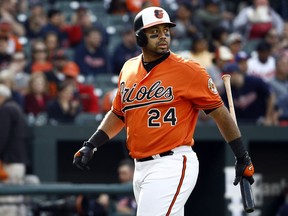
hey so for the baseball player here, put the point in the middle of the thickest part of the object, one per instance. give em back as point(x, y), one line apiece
point(158, 100)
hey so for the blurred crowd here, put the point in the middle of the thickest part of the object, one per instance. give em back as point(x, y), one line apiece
point(61, 59)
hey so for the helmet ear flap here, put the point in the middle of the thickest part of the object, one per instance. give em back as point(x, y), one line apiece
point(141, 38)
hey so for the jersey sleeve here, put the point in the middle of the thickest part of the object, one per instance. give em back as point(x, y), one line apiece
point(116, 103)
point(203, 91)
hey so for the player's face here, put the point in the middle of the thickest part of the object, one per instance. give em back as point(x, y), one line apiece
point(158, 39)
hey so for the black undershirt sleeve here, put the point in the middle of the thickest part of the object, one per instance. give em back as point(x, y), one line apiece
point(209, 111)
point(120, 117)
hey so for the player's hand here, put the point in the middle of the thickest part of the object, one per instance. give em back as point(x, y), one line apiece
point(83, 156)
point(244, 169)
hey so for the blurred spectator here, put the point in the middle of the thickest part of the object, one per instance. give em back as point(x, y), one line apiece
point(39, 57)
point(218, 37)
point(279, 86)
point(56, 75)
point(126, 204)
point(123, 204)
point(283, 9)
point(7, 78)
point(125, 50)
point(273, 38)
point(282, 108)
point(51, 41)
point(37, 19)
point(116, 7)
point(56, 23)
point(134, 6)
point(254, 21)
point(187, 24)
point(91, 56)
point(283, 209)
point(86, 94)
point(82, 20)
point(5, 58)
point(199, 52)
point(212, 15)
point(22, 6)
point(241, 59)
point(13, 40)
point(194, 3)
point(131, 7)
point(262, 63)
point(235, 42)
point(8, 13)
point(18, 68)
point(65, 107)
point(71, 70)
point(107, 100)
point(279, 83)
point(284, 37)
point(14, 150)
point(253, 99)
point(222, 56)
point(35, 101)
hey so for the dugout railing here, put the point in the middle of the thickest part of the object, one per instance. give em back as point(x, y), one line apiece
point(53, 148)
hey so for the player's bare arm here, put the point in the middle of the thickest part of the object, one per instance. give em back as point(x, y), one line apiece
point(110, 126)
point(232, 135)
point(225, 123)
point(269, 117)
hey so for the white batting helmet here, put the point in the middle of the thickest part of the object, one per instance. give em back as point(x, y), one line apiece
point(149, 17)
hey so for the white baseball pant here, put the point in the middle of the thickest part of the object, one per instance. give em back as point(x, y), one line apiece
point(163, 185)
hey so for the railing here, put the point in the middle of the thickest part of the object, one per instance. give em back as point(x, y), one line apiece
point(64, 189)
point(63, 198)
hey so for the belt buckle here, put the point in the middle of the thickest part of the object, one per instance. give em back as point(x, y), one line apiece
point(156, 156)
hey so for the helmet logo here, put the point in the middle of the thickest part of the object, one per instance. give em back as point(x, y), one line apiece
point(159, 14)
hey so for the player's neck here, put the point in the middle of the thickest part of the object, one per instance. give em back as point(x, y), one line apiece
point(147, 58)
point(149, 65)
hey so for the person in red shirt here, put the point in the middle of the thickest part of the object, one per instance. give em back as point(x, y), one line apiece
point(134, 6)
point(35, 101)
point(14, 44)
point(89, 100)
point(39, 61)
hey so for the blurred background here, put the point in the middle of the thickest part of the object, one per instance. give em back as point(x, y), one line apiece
point(59, 67)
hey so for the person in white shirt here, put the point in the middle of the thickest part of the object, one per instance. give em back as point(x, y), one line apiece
point(262, 64)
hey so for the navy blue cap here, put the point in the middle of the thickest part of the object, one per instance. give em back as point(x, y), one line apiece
point(242, 55)
point(263, 46)
point(230, 68)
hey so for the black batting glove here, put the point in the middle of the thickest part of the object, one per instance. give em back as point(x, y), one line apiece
point(83, 156)
point(244, 169)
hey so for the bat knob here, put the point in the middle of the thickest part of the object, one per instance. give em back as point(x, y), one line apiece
point(247, 196)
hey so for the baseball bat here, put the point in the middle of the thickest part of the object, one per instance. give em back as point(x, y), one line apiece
point(245, 187)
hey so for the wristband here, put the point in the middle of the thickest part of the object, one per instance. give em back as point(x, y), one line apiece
point(237, 147)
point(98, 139)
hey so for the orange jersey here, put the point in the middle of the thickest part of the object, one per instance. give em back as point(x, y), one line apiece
point(161, 107)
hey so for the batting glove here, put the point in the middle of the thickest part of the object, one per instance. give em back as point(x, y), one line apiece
point(83, 156)
point(244, 169)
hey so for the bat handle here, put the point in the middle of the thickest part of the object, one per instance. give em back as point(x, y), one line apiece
point(247, 196)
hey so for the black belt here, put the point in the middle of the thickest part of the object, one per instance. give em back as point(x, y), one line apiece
point(152, 158)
